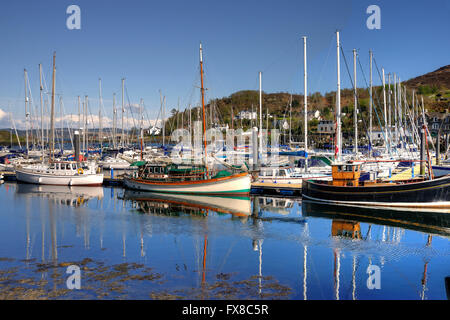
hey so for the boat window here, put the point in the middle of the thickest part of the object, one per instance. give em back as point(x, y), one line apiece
point(349, 169)
point(52, 166)
point(68, 166)
point(282, 173)
point(150, 170)
point(156, 170)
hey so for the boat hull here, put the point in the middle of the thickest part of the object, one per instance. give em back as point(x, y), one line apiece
point(60, 180)
point(235, 184)
point(424, 194)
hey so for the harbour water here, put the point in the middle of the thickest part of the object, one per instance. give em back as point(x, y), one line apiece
point(132, 245)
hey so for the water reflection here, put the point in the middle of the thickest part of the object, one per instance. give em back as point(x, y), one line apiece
point(429, 222)
point(66, 195)
point(309, 251)
point(179, 204)
point(346, 221)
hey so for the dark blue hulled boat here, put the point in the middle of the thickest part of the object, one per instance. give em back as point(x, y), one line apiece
point(346, 189)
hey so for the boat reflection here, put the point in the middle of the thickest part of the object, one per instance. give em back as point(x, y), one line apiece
point(180, 204)
point(427, 222)
point(74, 196)
point(277, 205)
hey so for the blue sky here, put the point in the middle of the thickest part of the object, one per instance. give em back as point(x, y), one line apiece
point(154, 45)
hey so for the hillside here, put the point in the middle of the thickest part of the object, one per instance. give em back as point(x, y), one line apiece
point(439, 79)
point(435, 87)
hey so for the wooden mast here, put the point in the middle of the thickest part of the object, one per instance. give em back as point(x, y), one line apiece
point(203, 105)
point(52, 114)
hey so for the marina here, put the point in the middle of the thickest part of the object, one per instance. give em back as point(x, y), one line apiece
point(303, 160)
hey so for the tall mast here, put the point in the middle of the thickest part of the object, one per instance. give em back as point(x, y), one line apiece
point(61, 124)
point(395, 111)
point(203, 105)
point(338, 102)
point(260, 112)
point(290, 121)
point(114, 121)
point(26, 106)
point(162, 114)
point(355, 110)
point(42, 109)
point(385, 110)
point(100, 114)
point(305, 97)
point(400, 111)
point(390, 113)
point(86, 129)
point(370, 105)
point(123, 111)
point(52, 113)
point(164, 121)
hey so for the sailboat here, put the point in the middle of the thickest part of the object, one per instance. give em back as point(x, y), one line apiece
point(68, 173)
point(346, 188)
point(187, 179)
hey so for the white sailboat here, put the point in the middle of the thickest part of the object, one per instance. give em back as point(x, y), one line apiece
point(68, 173)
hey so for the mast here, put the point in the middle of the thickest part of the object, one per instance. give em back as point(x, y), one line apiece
point(42, 110)
point(52, 113)
point(260, 113)
point(61, 124)
point(26, 107)
point(370, 106)
point(100, 114)
point(203, 106)
point(385, 109)
point(114, 121)
point(164, 122)
point(123, 110)
point(338, 102)
point(355, 111)
point(395, 111)
point(390, 113)
point(305, 97)
point(400, 105)
point(290, 121)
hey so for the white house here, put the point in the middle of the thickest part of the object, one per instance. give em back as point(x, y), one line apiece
point(326, 126)
point(245, 114)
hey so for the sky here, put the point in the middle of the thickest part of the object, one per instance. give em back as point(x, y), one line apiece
point(154, 46)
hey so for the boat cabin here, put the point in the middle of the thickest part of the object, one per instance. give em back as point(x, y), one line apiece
point(166, 172)
point(345, 174)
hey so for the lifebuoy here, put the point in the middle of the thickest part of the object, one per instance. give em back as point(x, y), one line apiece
point(80, 171)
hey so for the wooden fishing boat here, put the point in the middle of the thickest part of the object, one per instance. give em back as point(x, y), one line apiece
point(346, 189)
point(171, 178)
point(188, 179)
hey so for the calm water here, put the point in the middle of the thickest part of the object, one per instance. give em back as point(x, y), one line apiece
point(138, 246)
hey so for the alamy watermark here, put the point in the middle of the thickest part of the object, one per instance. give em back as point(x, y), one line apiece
point(74, 280)
point(374, 279)
point(74, 20)
point(236, 146)
point(374, 20)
